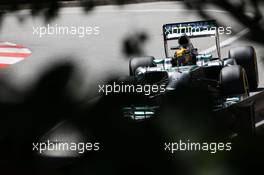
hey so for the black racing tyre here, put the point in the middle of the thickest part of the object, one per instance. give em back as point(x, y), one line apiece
point(245, 56)
point(233, 81)
point(136, 62)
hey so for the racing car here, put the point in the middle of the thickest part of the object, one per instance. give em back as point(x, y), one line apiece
point(229, 79)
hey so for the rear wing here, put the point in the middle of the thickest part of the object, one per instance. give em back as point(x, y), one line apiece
point(195, 29)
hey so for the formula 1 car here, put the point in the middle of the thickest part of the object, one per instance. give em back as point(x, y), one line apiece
point(230, 80)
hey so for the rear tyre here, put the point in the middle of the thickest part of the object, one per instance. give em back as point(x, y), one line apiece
point(136, 62)
point(233, 81)
point(246, 57)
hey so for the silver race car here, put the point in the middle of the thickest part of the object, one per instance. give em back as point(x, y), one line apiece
point(230, 80)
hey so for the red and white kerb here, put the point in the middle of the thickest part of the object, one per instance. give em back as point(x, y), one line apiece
point(11, 53)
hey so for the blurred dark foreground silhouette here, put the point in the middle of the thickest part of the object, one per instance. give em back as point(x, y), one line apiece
point(126, 146)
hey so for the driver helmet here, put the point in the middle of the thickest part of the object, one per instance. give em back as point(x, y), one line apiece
point(184, 41)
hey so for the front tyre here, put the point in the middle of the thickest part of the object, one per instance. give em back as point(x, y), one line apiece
point(233, 81)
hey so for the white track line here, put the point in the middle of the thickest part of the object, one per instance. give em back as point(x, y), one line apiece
point(10, 60)
point(227, 42)
point(259, 123)
point(74, 10)
point(154, 10)
point(8, 43)
point(15, 50)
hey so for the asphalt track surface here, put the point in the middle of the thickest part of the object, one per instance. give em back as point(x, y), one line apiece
point(98, 57)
